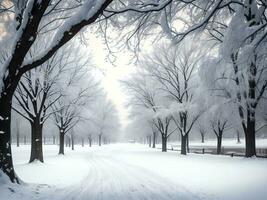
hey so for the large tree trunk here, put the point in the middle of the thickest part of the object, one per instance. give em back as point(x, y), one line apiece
point(6, 163)
point(154, 140)
point(164, 143)
point(183, 144)
point(252, 84)
point(36, 141)
point(251, 108)
point(250, 139)
point(61, 142)
point(219, 144)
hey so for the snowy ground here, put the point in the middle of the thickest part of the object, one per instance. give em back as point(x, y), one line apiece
point(135, 172)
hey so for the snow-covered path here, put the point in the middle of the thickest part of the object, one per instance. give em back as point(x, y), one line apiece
point(111, 177)
point(135, 172)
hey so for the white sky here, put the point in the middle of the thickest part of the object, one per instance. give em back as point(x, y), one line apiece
point(112, 73)
point(114, 89)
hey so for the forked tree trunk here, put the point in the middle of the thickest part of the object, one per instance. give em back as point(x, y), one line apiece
point(61, 142)
point(36, 141)
point(183, 144)
point(164, 143)
point(6, 163)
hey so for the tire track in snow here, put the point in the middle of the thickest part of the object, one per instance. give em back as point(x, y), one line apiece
point(114, 179)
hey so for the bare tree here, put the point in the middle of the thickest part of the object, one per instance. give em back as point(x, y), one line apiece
point(66, 118)
point(143, 96)
point(218, 126)
point(68, 111)
point(202, 132)
point(36, 93)
point(174, 68)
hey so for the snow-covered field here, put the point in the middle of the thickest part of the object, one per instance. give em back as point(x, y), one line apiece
point(135, 172)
